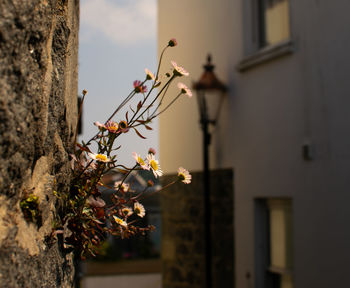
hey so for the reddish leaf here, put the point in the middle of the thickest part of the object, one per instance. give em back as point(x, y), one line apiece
point(84, 148)
point(141, 121)
point(123, 171)
point(126, 116)
point(139, 106)
point(148, 127)
point(138, 133)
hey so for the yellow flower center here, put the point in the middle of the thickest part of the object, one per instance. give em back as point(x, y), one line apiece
point(123, 124)
point(101, 157)
point(120, 221)
point(113, 127)
point(140, 160)
point(154, 165)
point(182, 176)
point(137, 210)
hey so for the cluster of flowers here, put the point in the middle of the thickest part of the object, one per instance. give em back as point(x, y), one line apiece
point(85, 219)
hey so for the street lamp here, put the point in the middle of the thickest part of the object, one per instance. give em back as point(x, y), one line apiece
point(210, 95)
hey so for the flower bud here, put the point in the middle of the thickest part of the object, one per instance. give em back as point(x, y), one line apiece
point(172, 42)
point(152, 151)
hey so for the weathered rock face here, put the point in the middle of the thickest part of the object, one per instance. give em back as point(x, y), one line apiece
point(38, 114)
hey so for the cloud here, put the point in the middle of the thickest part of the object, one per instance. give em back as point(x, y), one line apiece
point(125, 22)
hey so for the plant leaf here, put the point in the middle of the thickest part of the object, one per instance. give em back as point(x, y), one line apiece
point(83, 148)
point(139, 134)
point(117, 148)
point(139, 106)
point(123, 171)
point(141, 121)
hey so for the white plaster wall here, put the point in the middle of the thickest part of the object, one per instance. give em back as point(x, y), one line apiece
point(271, 111)
point(322, 251)
point(180, 136)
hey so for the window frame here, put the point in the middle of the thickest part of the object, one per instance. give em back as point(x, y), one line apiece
point(254, 52)
point(267, 276)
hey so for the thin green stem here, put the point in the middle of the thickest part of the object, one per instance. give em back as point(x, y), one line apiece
point(160, 61)
point(160, 190)
point(161, 101)
point(171, 103)
point(154, 100)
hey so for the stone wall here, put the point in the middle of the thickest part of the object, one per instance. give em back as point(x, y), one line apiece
point(38, 114)
point(183, 226)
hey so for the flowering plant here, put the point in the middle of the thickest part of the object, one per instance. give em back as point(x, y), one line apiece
point(85, 219)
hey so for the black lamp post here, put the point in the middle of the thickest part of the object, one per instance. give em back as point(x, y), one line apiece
point(210, 94)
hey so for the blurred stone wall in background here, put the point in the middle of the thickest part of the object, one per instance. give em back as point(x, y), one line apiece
point(183, 231)
point(38, 114)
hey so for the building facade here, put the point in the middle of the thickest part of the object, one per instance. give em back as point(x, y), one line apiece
point(283, 129)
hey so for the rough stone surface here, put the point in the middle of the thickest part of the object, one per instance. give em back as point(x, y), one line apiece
point(183, 240)
point(38, 114)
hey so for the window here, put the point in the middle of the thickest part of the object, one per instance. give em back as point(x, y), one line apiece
point(273, 22)
point(267, 32)
point(274, 243)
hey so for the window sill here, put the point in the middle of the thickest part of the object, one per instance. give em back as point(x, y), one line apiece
point(266, 54)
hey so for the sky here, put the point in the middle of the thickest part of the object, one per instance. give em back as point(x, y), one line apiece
point(117, 42)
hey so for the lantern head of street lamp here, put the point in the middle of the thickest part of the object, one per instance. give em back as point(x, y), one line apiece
point(210, 93)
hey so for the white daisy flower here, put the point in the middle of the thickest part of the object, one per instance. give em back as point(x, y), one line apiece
point(184, 175)
point(184, 89)
point(140, 161)
point(126, 211)
point(121, 186)
point(119, 221)
point(149, 75)
point(99, 157)
point(100, 126)
point(154, 165)
point(179, 71)
point(139, 209)
point(112, 126)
